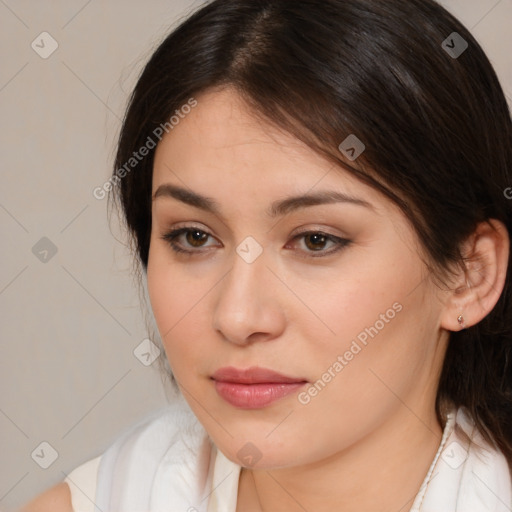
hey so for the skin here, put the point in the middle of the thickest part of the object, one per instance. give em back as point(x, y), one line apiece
point(350, 447)
point(294, 313)
point(55, 499)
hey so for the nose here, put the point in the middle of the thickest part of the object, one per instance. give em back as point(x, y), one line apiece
point(247, 307)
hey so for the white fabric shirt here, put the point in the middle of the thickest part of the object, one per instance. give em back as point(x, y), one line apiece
point(166, 463)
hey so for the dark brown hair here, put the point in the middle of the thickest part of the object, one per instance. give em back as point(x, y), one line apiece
point(436, 127)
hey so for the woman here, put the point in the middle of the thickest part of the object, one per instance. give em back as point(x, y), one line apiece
point(317, 196)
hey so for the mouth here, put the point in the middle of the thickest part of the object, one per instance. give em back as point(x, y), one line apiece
point(255, 387)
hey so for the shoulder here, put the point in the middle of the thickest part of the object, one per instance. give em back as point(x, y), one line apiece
point(82, 483)
point(55, 499)
point(75, 494)
point(171, 433)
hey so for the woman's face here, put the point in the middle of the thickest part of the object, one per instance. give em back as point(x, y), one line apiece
point(330, 293)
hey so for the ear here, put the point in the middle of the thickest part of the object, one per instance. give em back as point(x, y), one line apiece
point(479, 286)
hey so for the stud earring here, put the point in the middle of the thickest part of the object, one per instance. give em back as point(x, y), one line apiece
point(460, 319)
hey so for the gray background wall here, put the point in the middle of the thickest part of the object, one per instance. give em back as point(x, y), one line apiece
point(71, 321)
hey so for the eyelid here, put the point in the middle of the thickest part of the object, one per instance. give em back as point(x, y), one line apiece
point(315, 229)
point(189, 227)
point(340, 243)
point(176, 231)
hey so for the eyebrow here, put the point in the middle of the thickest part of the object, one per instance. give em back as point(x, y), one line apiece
point(276, 209)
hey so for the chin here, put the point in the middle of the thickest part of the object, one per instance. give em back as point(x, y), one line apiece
point(257, 452)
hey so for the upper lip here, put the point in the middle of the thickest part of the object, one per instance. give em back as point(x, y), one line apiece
point(253, 375)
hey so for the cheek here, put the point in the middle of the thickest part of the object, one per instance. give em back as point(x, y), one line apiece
point(373, 319)
point(178, 299)
point(346, 302)
point(379, 352)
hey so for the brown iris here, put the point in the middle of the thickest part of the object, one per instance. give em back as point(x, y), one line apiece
point(318, 241)
point(195, 237)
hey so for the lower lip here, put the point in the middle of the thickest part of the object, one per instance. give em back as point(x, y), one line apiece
point(255, 396)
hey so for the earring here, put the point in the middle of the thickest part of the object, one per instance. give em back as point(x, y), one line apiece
point(460, 319)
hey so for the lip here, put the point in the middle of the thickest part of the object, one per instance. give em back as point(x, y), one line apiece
point(253, 375)
point(255, 387)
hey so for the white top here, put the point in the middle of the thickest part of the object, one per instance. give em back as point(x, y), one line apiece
point(167, 459)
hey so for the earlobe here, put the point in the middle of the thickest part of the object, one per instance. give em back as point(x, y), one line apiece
point(479, 286)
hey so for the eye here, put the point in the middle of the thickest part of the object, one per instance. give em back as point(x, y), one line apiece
point(193, 236)
point(315, 241)
point(187, 239)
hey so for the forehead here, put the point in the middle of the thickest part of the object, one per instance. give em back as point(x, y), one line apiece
point(223, 125)
point(221, 138)
point(224, 152)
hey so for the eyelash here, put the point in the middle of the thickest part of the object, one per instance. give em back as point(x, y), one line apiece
point(173, 234)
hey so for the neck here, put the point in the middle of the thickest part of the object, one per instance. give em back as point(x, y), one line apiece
point(383, 471)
